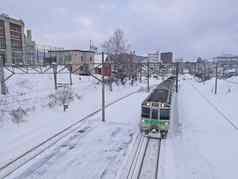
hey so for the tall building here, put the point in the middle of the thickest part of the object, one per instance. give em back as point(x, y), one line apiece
point(166, 57)
point(30, 48)
point(11, 40)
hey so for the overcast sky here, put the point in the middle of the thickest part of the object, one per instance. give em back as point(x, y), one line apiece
point(190, 28)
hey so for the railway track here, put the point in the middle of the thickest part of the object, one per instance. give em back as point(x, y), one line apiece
point(145, 163)
point(12, 166)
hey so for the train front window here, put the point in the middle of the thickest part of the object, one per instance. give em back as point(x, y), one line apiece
point(164, 114)
point(145, 112)
point(154, 113)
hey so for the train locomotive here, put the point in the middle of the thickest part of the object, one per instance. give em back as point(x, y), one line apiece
point(155, 109)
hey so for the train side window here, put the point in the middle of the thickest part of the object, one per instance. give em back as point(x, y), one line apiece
point(164, 114)
point(154, 113)
point(145, 112)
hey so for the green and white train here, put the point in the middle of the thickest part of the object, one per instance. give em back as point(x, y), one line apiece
point(155, 109)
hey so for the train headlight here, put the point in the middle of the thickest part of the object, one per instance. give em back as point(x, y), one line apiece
point(166, 123)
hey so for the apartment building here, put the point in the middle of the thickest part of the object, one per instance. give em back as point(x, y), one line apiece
point(11, 40)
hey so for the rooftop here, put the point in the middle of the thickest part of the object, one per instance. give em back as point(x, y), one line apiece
point(74, 50)
point(6, 17)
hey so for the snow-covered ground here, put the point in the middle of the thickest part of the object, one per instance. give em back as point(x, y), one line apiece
point(202, 142)
point(97, 154)
point(102, 145)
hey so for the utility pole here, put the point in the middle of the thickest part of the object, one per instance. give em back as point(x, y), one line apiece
point(3, 85)
point(177, 72)
point(205, 73)
point(140, 73)
point(110, 77)
point(103, 89)
point(55, 74)
point(148, 76)
point(216, 78)
point(70, 75)
point(37, 56)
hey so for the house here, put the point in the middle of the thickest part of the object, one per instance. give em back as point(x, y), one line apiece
point(80, 59)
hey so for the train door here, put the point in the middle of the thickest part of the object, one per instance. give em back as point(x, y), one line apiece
point(154, 113)
point(154, 116)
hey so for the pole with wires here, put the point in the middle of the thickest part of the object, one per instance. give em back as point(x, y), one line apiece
point(70, 75)
point(216, 78)
point(55, 75)
point(177, 72)
point(103, 89)
point(3, 85)
point(148, 76)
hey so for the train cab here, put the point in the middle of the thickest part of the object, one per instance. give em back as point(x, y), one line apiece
point(155, 117)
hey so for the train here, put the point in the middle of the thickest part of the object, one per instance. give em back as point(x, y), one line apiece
point(155, 109)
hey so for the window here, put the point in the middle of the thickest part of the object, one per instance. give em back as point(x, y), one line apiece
point(68, 59)
point(2, 56)
point(16, 44)
point(61, 60)
point(2, 35)
point(17, 57)
point(145, 112)
point(154, 113)
point(2, 43)
point(81, 58)
point(164, 114)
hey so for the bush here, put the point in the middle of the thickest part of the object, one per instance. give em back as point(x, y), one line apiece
point(62, 96)
point(17, 115)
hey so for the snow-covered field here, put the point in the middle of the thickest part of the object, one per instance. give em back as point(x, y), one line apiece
point(202, 142)
point(97, 151)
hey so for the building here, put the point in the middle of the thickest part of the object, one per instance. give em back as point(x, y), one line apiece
point(166, 57)
point(11, 40)
point(153, 57)
point(83, 59)
point(30, 49)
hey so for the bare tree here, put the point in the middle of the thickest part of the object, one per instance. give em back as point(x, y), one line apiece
point(116, 44)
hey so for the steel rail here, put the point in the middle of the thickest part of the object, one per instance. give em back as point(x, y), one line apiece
point(135, 157)
point(157, 161)
point(144, 155)
point(143, 158)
